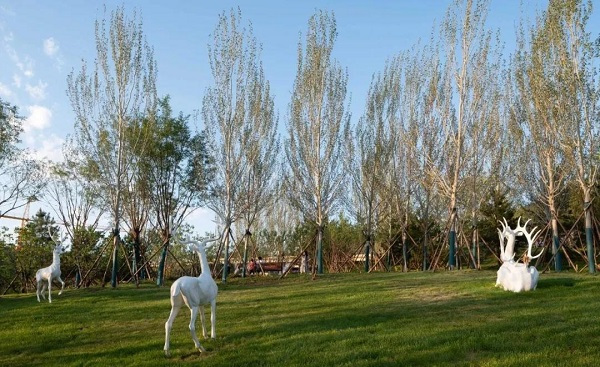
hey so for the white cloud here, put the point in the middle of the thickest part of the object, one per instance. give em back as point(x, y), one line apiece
point(25, 64)
point(37, 92)
point(39, 118)
point(50, 47)
point(9, 37)
point(16, 80)
point(5, 91)
point(49, 148)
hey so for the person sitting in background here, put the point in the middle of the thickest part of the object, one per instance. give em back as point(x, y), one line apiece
point(251, 266)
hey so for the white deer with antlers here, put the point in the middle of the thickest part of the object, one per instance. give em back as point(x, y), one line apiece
point(45, 276)
point(194, 293)
point(512, 275)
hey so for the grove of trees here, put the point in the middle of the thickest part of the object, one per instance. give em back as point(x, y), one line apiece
point(455, 135)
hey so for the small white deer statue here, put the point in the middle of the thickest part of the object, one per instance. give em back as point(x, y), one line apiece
point(45, 276)
point(514, 276)
point(194, 292)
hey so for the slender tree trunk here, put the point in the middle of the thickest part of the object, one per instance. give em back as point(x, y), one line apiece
point(115, 261)
point(367, 253)
point(555, 245)
point(320, 250)
point(452, 237)
point(474, 242)
point(226, 255)
point(404, 252)
point(425, 244)
point(77, 276)
point(161, 264)
point(137, 257)
point(368, 242)
point(404, 237)
point(589, 234)
point(245, 259)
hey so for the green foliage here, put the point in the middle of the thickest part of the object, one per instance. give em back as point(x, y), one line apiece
point(84, 251)
point(8, 268)
point(177, 163)
point(382, 319)
point(342, 235)
point(495, 207)
point(299, 238)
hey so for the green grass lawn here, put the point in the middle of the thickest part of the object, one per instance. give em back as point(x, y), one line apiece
point(383, 319)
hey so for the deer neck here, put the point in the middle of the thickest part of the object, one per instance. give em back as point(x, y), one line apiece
point(204, 268)
point(509, 251)
point(55, 259)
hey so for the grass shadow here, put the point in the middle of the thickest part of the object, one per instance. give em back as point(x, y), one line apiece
point(556, 282)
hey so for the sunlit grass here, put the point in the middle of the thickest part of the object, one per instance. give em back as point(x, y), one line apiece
point(384, 319)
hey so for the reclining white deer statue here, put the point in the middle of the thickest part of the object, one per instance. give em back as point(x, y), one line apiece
point(194, 292)
point(515, 276)
point(45, 276)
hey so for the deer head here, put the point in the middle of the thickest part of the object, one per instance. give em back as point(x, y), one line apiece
point(58, 248)
point(195, 244)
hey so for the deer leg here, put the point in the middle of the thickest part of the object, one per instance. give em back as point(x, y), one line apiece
point(213, 318)
point(50, 290)
point(63, 286)
point(194, 311)
point(39, 287)
point(203, 319)
point(43, 291)
point(168, 326)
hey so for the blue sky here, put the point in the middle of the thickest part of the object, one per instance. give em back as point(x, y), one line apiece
point(41, 42)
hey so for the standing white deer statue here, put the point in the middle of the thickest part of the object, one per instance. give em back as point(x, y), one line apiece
point(45, 276)
point(513, 275)
point(194, 292)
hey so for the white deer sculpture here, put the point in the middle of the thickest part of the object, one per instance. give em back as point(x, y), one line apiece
point(194, 292)
point(513, 275)
point(45, 276)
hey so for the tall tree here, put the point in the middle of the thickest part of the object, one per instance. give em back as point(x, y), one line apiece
point(578, 98)
point(106, 101)
point(369, 153)
point(542, 79)
point(177, 166)
point(429, 133)
point(261, 149)
point(137, 206)
point(238, 102)
point(407, 154)
point(78, 206)
point(483, 139)
point(318, 124)
point(467, 49)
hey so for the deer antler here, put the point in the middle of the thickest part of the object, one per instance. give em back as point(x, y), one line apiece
point(530, 236)
point(57, 243)
point(177, 236)
point(506, 252)
point(212, 239)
